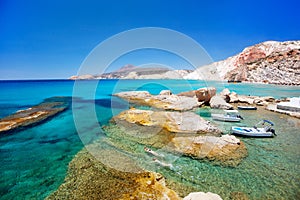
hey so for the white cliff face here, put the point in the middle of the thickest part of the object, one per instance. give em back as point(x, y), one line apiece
point(270, 62)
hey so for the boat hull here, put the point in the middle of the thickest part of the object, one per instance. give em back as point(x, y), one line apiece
point(250, 132)
point(247, 108)
point(220, 117)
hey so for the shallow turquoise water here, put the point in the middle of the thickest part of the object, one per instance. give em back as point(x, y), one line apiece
point(34, 161)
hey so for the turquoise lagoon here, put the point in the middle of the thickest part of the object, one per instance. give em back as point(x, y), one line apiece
point(34, 161)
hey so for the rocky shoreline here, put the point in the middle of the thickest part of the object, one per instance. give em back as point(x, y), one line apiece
point(115, 173)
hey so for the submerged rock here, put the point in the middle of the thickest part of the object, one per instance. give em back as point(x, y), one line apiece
point(157, 128)
point(175, 122)
point(88, 178)
point(35, 114)
point(226, 149)
point(166, 100)
point(202, 196)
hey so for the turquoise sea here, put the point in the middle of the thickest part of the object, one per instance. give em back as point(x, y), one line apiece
point(34, 160)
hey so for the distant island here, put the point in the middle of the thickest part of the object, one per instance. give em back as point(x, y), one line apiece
point(269, 62)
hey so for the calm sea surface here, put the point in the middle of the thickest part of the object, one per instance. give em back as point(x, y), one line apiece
point(34, 161)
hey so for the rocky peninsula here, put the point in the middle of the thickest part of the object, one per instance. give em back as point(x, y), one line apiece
point(34, 115)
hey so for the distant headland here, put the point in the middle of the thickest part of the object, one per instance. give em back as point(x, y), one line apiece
point(269, 62)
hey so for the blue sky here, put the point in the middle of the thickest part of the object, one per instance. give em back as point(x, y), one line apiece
point(50, 39)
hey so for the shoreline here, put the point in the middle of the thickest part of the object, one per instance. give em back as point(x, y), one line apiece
point(112, 79)
point(239, 193)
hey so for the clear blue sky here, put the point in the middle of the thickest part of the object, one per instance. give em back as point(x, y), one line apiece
point(51, 38)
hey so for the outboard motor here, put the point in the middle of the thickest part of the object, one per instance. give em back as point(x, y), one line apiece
point(239, 116)
point(272, 131)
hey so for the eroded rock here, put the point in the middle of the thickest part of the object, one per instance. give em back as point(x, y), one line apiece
point(162, 101)
point(226, 149)
point(175, 122)
point(88, 178)
point(202, 94)
point(35, 114)
point(219, 103)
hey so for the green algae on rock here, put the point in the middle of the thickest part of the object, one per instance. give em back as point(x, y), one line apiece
point(88, 178)
point(153, 128)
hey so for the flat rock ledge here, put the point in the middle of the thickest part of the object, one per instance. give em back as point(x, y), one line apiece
point(183, 133)
point(227, 149)
point(165, 100)
point(273, 107)
point(175, 122)
point(35, 114)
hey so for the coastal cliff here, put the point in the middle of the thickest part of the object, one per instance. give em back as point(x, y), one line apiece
point(268, 62)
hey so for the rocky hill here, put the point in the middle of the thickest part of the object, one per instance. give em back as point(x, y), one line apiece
point(267, 62)
point(133, 72)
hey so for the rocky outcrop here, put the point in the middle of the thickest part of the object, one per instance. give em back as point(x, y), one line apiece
point(219, 103)
point(161, 101)
point(226, 149)
point(194, 137)
point(175, 122)
point(267, 62)
point(202, 94)
point(88, 178)
point(35, 114)
point(233, 97)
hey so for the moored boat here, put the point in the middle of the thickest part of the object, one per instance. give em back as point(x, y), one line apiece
point(247, 108)
point(266, 131)
point(228, 116)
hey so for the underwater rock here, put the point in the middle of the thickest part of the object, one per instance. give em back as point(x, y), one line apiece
point(175, 122)
point(88, 178)
point(202, 196)
point(161, 101)
point(36, 114)
point(226, 149)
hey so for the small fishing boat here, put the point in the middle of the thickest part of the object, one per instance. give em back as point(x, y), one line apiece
point(266, 131)
point(228, 116)
point(247, 108)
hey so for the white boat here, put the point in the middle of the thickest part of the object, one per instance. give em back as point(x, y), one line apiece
point(247, 108)
point(266, 131)
point(228, 116)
